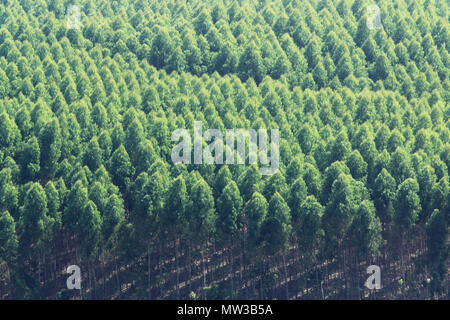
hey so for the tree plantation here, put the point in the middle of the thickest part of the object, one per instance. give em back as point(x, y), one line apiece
point(91, 92)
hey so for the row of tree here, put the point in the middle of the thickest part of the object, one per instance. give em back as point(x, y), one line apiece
point(86, 177)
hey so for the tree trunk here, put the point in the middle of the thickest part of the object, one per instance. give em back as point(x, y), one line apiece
point(316, 266)
point(149, 273)
point(189, 266)
point(178, 268)
point(230, 257)
point(286, 283)
point(261, 280)
point(119, 286)
point(203, 272)
point(89, 276)
point(104, 276)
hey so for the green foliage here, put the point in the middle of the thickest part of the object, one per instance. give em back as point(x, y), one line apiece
point(8, 238)
point(86, 118)
point(366, 229)
point(277, 225)
point(229, 206)
point(407, 204)
point(437, 242)
point(309, 224)
point(201, 218)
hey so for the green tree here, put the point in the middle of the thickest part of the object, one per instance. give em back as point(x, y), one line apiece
point(357, 165)
point(54, 217)
point(8, 239)
point(9, 134)
point(256, 211)
point(345, 198)
point(162, 48)
point(50, 142)
point(222, 179)
point(366, 230)
point(320, 75)
point(249, 182)
point(121, 167)
point(276, 183)
point(201, 219)
point(92, 157)
point(384, 195)
point(8, 193)
point(76, 200)
point(437, 243)
point(229, 206)
point(33, 220)
point(277, 230)
point(113, 215)
point(309, 225)
point(382, 68)
point(175, 218)
point(407, 209)
point(251, 64)
point(297, 195)
point(89, 228)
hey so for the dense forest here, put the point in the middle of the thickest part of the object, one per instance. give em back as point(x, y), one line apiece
point(87, 111)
